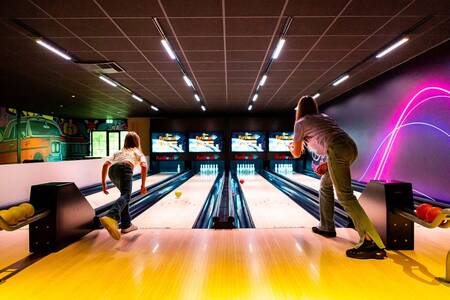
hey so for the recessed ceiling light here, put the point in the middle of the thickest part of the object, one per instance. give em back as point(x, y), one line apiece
point(107, 80)
point(255, 96)
point(137, 98)
point(263, 80)
point(277, 51)
point(203, 108)
point(169, 50)
point(53, 49)
point(154, 108)
point(340, 80)
point(187, 80)
point(250, 107)
point(197, 97)
point(316, 95)
point(392, 47)
point(73, 96)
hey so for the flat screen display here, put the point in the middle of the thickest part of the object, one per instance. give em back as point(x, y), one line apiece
point(248, 141)
point(168, 142)
point(205, 142)
point(279, 141)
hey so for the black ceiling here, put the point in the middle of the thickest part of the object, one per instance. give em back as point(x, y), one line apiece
point(223, 44)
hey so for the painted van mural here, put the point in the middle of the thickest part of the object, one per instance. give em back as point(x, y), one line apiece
point(27, 136)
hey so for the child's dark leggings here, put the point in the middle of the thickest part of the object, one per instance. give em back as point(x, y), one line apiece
point(121, 175)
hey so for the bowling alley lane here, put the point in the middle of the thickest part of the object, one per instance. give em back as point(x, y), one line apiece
point(99, 199)
point(173, 212)
point(271, 208)
point(311, 182)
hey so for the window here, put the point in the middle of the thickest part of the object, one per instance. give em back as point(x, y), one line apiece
point(23, 130)
point(123, 134)
point(113, 142)
point(43, 128)
point(12, 132)
point(105, 143)
point(98, 142)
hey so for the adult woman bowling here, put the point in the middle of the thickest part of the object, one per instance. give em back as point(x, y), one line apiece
point(322, 135)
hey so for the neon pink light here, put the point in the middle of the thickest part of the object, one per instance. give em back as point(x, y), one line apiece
point(405, 113)
point(390, 134)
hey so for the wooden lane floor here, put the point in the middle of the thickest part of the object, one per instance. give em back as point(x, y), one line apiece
point(258, 264)
point(312, 182)
point(173, 212)
point(270, 207)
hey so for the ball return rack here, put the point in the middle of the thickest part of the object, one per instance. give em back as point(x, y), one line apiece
point(390, 206)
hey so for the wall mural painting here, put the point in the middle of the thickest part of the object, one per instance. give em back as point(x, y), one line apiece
point(27, 136)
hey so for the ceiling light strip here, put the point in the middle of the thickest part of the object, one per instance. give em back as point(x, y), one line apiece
point(392, 47)
point(53, 49)
point(169, 49)
point(275, 54)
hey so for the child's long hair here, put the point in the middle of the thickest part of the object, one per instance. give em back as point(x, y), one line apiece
point(132, 140)
point(306, 106)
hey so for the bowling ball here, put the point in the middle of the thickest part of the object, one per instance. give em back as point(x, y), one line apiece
point(28, 208)
point(8, 217)
point(178, 194)
point(18, 213)
point(432, 213)
point(241, 181)
point(421, 210)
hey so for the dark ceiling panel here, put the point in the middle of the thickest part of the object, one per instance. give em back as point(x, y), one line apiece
point(320, 46)
point(254, 7)
point(312, 8)
point(309, 26)
point(251, 26)
point(375, 8)
point(132, 8)
point(196, 27)
point(357, 25)
point(92, 27)
point(138, 27)
point(62, 9)
point(47, 28)
point(193, 8)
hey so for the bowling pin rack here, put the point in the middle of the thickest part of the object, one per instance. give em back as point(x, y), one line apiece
point(4, 225)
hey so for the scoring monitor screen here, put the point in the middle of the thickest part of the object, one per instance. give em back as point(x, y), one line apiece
point(253, 141)
point(205, 142)
point(279, 141)
point(168, 142)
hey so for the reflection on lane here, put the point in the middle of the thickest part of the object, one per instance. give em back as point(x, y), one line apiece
point(311, 182)
point(173, 212)
point(271, 208)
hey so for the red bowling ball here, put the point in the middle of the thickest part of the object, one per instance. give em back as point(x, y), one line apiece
point(422, 210)
point(432, 213)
